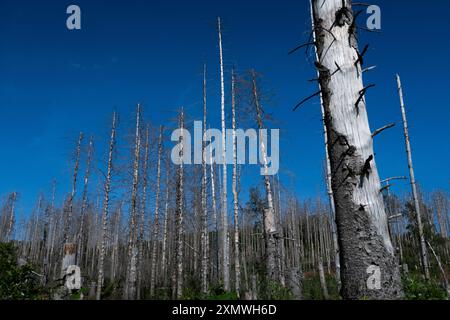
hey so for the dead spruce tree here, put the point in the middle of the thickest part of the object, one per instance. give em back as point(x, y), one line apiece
point(143, 210)
point(131, 277)
point(105, 212)
point(225, 236)
point(180, 215)
point(369, 268)
point(237, 265)
point(84, 203)
point(205, 234)
point(8, 218)
point(69, 205)
point(271, 232)
point(423, 246)
point(156, 216)
point(337, 263)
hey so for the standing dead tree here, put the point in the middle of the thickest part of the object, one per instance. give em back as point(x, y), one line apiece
point(131, 277)
point(328, 177)
point(205, 234)
point(180, 215)
point(225, 236)
point(69, 204)
point(156, 216)
point(84, 203)
point(105, 212)
point(271, 232)
point(362, 224)
point(237, 265)
point(423, 245)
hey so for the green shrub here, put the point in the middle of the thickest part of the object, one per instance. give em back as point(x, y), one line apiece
point(416, 288)
point(17, 282)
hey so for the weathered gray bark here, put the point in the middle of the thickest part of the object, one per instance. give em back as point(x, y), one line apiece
point(131, 278)
point(337, 263)
point(105, 212)
point(361, 218)
point(143, 210)
point(69, 205)
point(423, 246)
point(84, 202)
point(271, 232)
point(205, 234)
point(180, 215)
point(166, 227)
point(225, 236)
point(237, 265)
point(10, 224)
point(156, 216)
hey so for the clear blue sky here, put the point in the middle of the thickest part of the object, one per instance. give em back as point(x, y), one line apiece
point(55, 82)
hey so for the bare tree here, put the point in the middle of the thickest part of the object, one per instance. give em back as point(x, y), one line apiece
point(180, 215)
point(205, 234)
point(360, 212)
point(106, 208)
point(271, 231)
point(130, 288)
point(225, 236)
point(423, 245)
point(237, 265)
point(156, 217)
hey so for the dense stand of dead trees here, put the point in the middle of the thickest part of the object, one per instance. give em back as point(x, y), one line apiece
point(155, 229)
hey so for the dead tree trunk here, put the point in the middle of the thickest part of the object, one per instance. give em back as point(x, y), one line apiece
point(225, 237)
point(156, 218)
point(166, 227)
point(271, 232)
point(130, 287)
point(423, 246)
point(143, 210)
point(237, 265)
point(365, 246)
point(337, 262)
point(180, 215)
point(69, 205)
point(205, 237)
point(10, 224)
point(106, 209)
point(84, 203)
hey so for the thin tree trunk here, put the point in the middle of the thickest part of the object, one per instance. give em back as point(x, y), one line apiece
point(270, 226)
point(84, 203)
point(140, 257)
point(106, 209)
point(205, 234)
point(156, 217)
point(166, 227)
point(180, 215)
point(365, 245)
point(423, 247)
point(69, 206)
point(237, 265)
point(130, 289)
point(225, 236)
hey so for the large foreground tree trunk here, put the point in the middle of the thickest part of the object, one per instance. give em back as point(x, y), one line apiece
point(368, 266)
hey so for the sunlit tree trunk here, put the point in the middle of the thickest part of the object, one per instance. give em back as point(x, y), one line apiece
point(423, 245)
point(225, 236)
point(237, 265)
point(130, 288)
point(106, 209)
point(365, 246)
point(271, 231)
